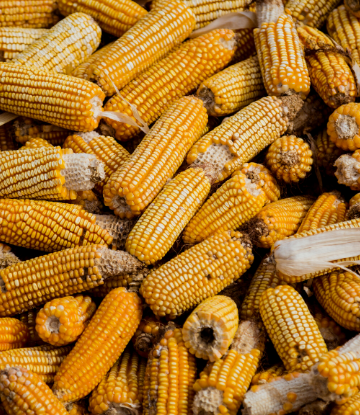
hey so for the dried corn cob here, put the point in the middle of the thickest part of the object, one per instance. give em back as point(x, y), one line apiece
point(7, 257)
point(122, 387)
point(28, 392)
point(29, 319)
point(222, 385)
point(82, 370)
point(26, 285)
point(78, 408)
point(147, 335)
point(235, 202)
point(177, 286)
point(233, 88)
point(354, 207)
point(353, 7)
point(13, 334)
point(6, 141)
point(136, 184)
point(152, 93)
point(327, 152)
point(62, 320)
point(343, 127)
point(156, 33)
point(348, 170)
point(113, 17)
point(169, 377)
point(351, 407)
point(211, 327)
point(36, 143)
point(89, 201)
point(14, 40)
point(246, 45)
point(269, 375)
point(311, 13)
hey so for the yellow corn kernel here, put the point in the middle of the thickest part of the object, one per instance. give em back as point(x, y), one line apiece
point(136, 184)
point(13, 334)
point(118, 316)
point(327, 152)
point(122, 387)
point(310, 12)
point(348, 170)
point(36, 143)
point(29, 319)
point(291, 328)
point(6, 141)
point(350, 407)
point(147, 335)
point(269, 375)
point(198, 273)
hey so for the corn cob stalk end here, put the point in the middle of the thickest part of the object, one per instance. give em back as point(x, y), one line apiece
point(353, 6)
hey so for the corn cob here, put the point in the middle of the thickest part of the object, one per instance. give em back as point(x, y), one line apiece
point(36, 143)
point(147, 335)
point(351, 407)
point(122, 387)
point(329, 208)
point(62, 320)
point(14, 40)
point(169, 376)
point(348, 170)
point(25, 285)
point(245, 134)
point(269, 375)
point(78, 408)
point(327, 152)
point(7, 257)
point(6, 141)
point(89, 201)
point(343, 127)
point(82, 370)
point(28, 13)
point(235, 202)
point(329, 72)
point(311, 13)
point(177, 286)
point(29, 319)
point(222, 385)
point(134, 185)
point(113, 17)
point(21, 391)
point(152, 93)
point(354, 207)
point(245, 45)
point(13, 334)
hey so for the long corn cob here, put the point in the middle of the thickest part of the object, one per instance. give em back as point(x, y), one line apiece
point(99, 346)
point(29, 319)
point(122, 387)
point(7, 257)
point(185, 68)
point(62, 320)
point(327, 152)
point(354, 207)
point(235, 202)
point(147, 335)
point(6, 141)
point(177, 285)
point(351, 407)
point(134, 185)
point(348, 170)
point(26, 285)
point(13, 334)
point(14, 40)
point(269, 375)
point(343, 127)
point(309, 12)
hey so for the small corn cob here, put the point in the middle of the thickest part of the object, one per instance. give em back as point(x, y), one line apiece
point(351, 407)
point(62, 320)
point(169, 376)
point(269, 375)
point(343, 127)
point(7, 257)
point(222, 385)
point(311, 13)
point(23, 392)
point(278, 220)
point(26, 285)
point(136, 184)
point(89, 201)
point(200, 58)
point(28, 13)
point(235, 202)
point(329, 208)
point(354, 208)
point(211, 327)
point(329, 72)
point(177, 286)
point(348, 170)
point(327, 152)
point(122, 387)
point(6, 141)
point(36, 143)
point(113, 17)
point(13, 334)
point(289, 158)
point(291, 328)
point(233, 88)
point(14, 40)
point(147, 335)
point(29, 319)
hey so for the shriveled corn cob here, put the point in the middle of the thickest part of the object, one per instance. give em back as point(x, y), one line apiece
point(211, 327)
point(327, 152)
point(147, 335)
point(36, 143)
point(13, 334)
point(291, 328)
point(289, 158)
point(354, 207)
point(269, 375)
point(235, 202)
point(169, 377)
point(233, 88)
point(222, 385)
point(179, 285)
point(113, 17)
point(118, 316)
point(29, 319)
point(23, 392)
point(136, 184)
point(89, 201)
point(26, 284)
point(6, 141)
point(122, 387)
point(185, 69)
point(14, 40)
point(343, 127)
point(309, 12)
point(348, 170)
point(7, 257)
point(350, 407)
point(62, 320)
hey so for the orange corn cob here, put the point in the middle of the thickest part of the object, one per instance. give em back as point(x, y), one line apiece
point(309, 12)
point(147, 335)
point(269, 375)
point(78, 408)
point(36, 143)
point(13, 334)
point(348, 170)
point(29, 319)
point(351, 407)
point(327, 152)
point(343, 127)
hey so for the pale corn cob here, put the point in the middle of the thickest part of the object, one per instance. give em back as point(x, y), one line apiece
point(211, 327)
point(328, 209)
point(136, 184)
point(89, 201)
point(156, 33)
point(79, 107)
point(7, 257)
point(68, 272)
point(310, 12)
point(278, 220)
point(29, 319)
point(354, 207)
point(327, 152)
point(348, 170)
point(175, 286)
point(13, 334)
point(233, 88)
point(269, 375)
point(289, 158)
point(62, 320)
point(152, 93)
point(351, 407)
point(147, 335)
point(118, 315)
point(14, 40)
point(122, 387)
point(36, 143)
point(343, 127)
point(6, 141)
point(113, 17)
point(235, 202)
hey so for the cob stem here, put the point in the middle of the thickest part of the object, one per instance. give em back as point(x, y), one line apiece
point(346, 127)
point(353, 6)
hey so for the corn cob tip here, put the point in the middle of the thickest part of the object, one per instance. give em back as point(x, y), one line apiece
point(353, 6)
point(118, 229)
point(7, 257)
point(114, 263)
point(292, 105)
point(148, 334)
point(207, 401)
point(348, 171)
point(268, 11)
point(354, 208)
